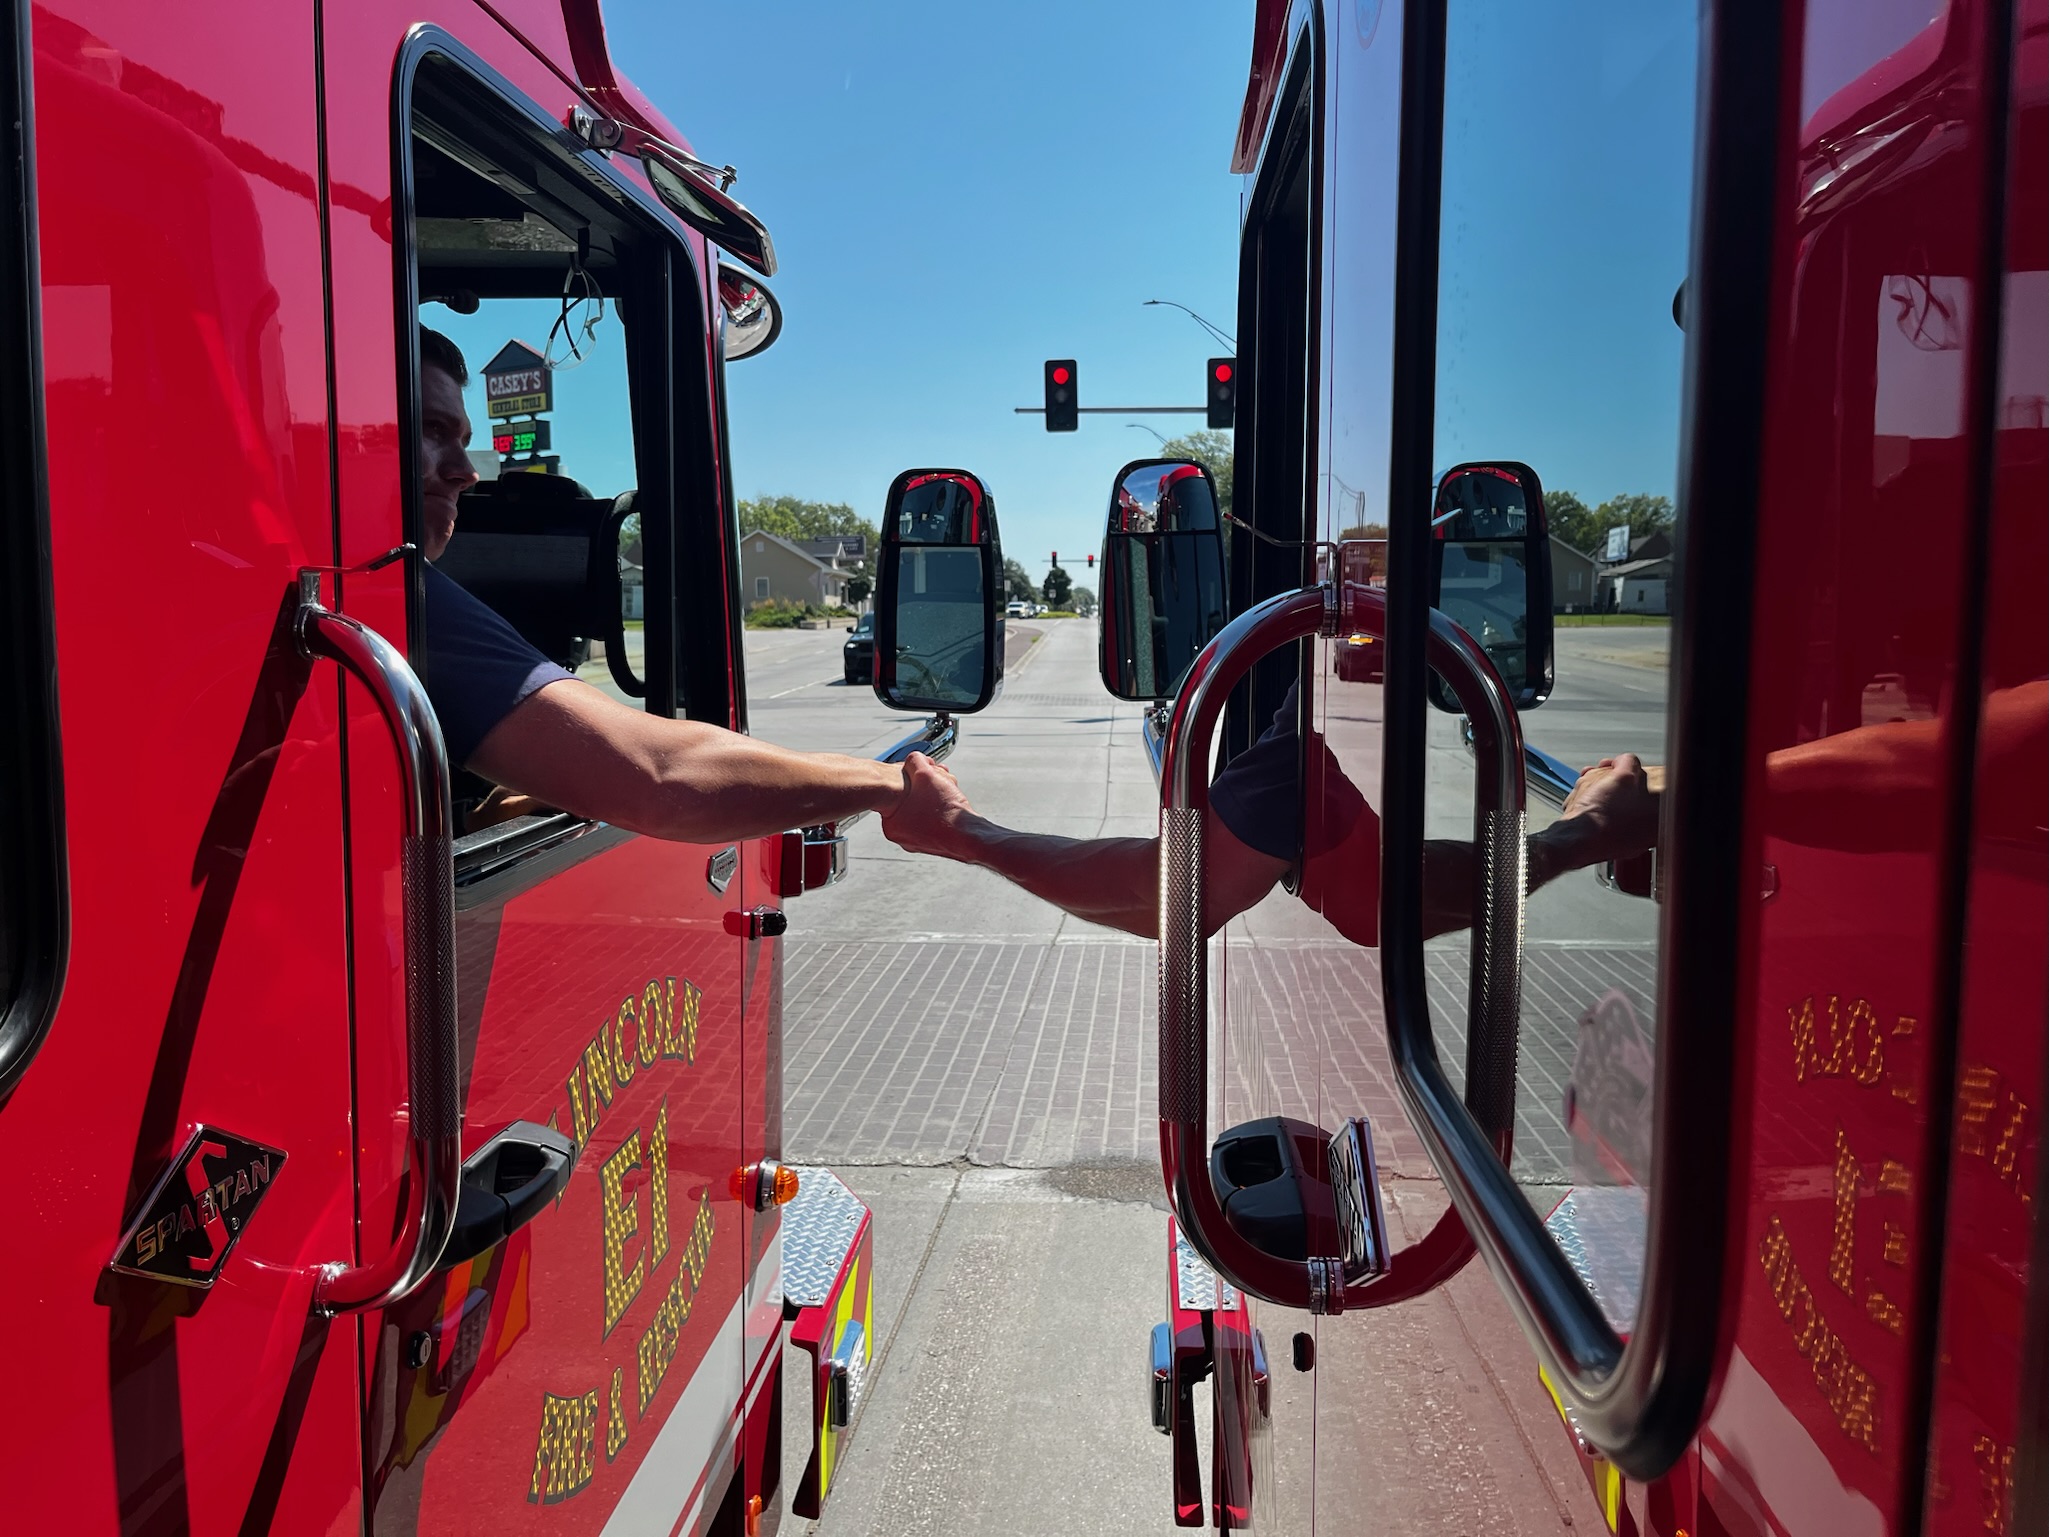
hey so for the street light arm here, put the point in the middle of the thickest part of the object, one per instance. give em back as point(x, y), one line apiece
point(1213, 331)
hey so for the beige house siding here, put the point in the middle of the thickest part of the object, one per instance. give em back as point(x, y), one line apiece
point(772, 567)
point(1572, 578)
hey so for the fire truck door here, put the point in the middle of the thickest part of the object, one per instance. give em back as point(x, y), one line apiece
point(578, 1370)
point(170, 1371)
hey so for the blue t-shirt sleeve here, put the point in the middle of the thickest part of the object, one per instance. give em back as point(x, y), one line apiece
point(479, 668)
point(1259, 793)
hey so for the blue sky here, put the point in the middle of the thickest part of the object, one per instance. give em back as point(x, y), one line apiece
point(960, 191)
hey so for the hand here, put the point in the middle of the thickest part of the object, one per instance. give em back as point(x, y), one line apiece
point(932, 815)
point(1612, 812)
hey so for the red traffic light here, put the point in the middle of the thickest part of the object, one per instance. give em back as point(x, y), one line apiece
point(1059, 376)
point(1091, 561)
point(1223, 373)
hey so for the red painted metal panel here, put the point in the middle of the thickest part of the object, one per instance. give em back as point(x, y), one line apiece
point(1865, 557)
point(1993, 1204)
point(516, 1398)
point(183, 345)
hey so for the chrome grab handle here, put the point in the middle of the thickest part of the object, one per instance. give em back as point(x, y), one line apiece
point(1327, 1285)
point(426, 867)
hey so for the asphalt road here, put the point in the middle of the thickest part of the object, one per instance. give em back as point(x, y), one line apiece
point(981, 1068)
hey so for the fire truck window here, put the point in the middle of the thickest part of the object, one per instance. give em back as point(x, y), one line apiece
point(567, 294)
point(1563, 236)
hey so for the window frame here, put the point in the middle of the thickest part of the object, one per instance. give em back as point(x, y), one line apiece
point(35, 909)
point(1276, 433)
point(678, 437)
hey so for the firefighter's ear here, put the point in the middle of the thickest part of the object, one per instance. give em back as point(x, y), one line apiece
point(938, 594)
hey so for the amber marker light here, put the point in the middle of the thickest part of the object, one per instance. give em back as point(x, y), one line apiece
point(784, 1186)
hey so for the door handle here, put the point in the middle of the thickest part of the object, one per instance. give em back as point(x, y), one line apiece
point(507, 1183)
point(427, 889)
point(1363, 1273)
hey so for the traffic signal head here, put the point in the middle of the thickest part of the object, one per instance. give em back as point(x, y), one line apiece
point(1220, 391)
point(1062, 396)
point(1091, 561)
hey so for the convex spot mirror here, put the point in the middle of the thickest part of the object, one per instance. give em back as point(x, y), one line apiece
point(1163, 576)
point(1490, 572)
point(938, 594)
point(753, 318)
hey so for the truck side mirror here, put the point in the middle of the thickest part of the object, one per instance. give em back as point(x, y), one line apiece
point(1490, 572)
point(938, 586)
point(1163, 576)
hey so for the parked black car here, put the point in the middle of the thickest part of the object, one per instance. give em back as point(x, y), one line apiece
point(859, 651)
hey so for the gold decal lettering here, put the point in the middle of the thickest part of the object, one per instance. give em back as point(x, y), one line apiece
point(621, 1221)
point(1854, 1047)
point(658, 1188)
point(1995, 1482)
point(648, 1041)
point(1894, 1178)
point(563, 1463)
point(615, 1414)
point(1977, 1093)
point(1895, 1244)
point(597, 1072)
point(623, 1067)
point(2008, 1145)
point(657, 1347)
point(1849, 1390)
point(1842, 1251)
point(1885, 1312)
point(578, 1116)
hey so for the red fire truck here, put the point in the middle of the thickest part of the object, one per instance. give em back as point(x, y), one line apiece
point(1751, 1142)
point(387, 1166)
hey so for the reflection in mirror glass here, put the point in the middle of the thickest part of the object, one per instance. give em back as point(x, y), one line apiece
point(1163, 576)
point(1483, 503)
point(940, 509)
point(1561, 351)
point(1163, 498)
point(1485, 590)
point(940, 621)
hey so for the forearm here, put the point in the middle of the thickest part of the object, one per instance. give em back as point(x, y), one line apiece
point(702, 784)
point(1451, 878)
point(1111, 881)
point(571, 747)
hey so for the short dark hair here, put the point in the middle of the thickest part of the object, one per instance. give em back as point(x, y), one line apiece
point(437, 351)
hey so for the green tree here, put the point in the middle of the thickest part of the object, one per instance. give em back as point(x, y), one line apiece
point(791, 517)
point(1211, 450)
point(1363, 531)
point(1572, 522)
point(858, 588)
point(1083, 601)
point(1058, 587)
point(1018, 585)
point(1643, 513)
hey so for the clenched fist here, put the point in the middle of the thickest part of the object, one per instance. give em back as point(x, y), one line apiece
point(933, 815)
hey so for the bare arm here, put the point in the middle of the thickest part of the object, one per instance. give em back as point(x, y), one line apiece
point(1116, 882)
point(1111, 881)
point(570, 746)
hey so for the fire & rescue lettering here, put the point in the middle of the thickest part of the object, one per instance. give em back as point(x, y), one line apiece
point(621, 1222)
point(1849, 1390)
point(562, 1461)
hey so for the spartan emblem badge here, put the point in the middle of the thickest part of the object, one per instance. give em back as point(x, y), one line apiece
point(198, 1208)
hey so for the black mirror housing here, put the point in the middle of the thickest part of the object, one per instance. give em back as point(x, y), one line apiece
point(1163, 593)
point(938, 595)
point(1490, 573)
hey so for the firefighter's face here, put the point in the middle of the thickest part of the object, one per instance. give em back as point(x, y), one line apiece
point(445, 468)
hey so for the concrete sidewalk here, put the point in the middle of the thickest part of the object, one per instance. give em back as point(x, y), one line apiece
point(1012, 1313)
